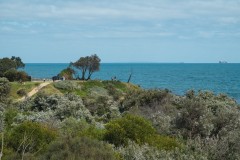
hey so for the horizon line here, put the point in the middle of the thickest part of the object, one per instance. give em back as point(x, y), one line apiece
point(138, 63)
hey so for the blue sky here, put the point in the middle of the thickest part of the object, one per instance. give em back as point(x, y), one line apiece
point(121, 31)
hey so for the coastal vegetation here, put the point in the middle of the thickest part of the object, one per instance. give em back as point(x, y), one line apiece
point(82, 69)
point(9, 69)
point(115, 120)
point(82, 118)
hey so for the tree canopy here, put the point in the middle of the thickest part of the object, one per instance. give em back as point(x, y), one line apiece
point(10, 63)
point(8, 69)
point(87, 66)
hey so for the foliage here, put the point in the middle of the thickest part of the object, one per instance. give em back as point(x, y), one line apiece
point(130, 127)
point(206, 115)
point(197, 125)
point(10, 63)
point(61, 107)
point(143, 152)
point(72, 127)
point(30, 137)
point(145, 99)
point(67, 73)
point(18, 62)
point(14, 75)
point(10, 114)
point(116, 89)
point(87, 65)
point(193, 119)
point(4, 88)
point(79, 148)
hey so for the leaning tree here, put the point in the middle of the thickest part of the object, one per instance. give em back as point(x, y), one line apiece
point(87, 66)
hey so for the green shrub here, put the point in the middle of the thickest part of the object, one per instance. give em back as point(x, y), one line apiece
point(11, 75)
point(79, 148)
point(163, 142)
point(72, 127)
point(10, 114)
point(139, 130)
point(30, 137)
point(130, 127)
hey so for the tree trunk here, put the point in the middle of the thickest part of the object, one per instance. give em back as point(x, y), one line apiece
point(89, 75)
point(129, 78)
point(83, 75)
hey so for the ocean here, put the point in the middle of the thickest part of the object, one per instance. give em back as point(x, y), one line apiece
point(219, 78)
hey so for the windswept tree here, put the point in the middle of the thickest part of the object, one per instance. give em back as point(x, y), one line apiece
point(87, 66)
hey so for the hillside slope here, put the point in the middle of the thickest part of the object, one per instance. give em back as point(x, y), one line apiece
point(121, 121)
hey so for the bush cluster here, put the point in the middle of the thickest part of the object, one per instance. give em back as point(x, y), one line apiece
point(14, 75)
point(137, 124)
point(136, 129)
point(79, 148)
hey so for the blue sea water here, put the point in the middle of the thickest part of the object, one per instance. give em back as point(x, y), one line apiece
point(219, 78)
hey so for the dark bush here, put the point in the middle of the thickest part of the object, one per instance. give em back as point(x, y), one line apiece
point(145, 98)
point(22, 92)
point(14, 75)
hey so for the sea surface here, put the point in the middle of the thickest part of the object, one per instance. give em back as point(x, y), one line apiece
point(219, 78)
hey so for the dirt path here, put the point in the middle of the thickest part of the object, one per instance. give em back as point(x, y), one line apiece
point(35, 90)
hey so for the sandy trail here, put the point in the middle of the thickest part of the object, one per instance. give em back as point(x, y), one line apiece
point(34, 91)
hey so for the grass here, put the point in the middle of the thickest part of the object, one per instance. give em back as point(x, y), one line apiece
point(27, 86)
point(85, 87)
point(81, 93)
point(91, 83)
point(50, 89)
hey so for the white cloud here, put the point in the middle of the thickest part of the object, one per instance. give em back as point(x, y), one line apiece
point(184, 18)
point(119, 9)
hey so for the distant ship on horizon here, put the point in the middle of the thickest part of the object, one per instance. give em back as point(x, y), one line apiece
point(223, 62)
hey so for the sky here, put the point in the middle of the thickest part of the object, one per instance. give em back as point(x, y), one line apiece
point(159, 31)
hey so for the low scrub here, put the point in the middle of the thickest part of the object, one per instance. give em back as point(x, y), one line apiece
point(137, 129)
point(79, 148)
